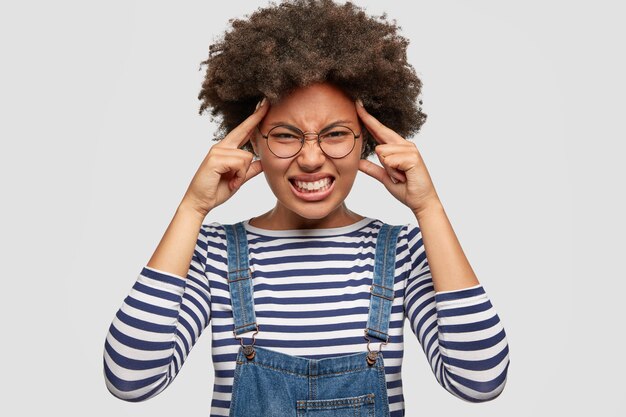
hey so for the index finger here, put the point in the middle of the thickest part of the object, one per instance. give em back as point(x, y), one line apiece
point(380, 132)
point(241, 134)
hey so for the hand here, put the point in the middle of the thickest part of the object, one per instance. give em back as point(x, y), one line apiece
point(403, 171)
point(226, 167)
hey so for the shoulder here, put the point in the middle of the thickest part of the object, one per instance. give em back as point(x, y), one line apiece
point(409, 238)
point(411, 231)
point(213, 227)
point(214, 234)
point(408, 231)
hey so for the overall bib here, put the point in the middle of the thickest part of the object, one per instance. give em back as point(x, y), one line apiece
point(268, 383)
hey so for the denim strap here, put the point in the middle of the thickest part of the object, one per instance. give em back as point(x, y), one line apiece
point(382, 293)
point(240, 279)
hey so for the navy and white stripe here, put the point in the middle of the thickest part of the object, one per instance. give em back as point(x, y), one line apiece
point(311, 295)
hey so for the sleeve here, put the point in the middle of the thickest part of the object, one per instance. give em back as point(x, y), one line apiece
point(459, 331)
point(155, 328)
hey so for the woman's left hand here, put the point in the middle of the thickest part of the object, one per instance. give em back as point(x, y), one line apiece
point(400, 159)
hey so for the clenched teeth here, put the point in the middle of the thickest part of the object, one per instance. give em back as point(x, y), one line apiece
point(314, 185)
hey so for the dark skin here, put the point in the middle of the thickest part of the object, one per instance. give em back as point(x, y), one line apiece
point(402, 172)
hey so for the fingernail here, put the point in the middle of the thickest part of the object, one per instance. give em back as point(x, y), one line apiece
point(359, 102)
point(395, 181)
point(260, 104)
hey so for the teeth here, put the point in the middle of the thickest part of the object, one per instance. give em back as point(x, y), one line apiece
point(314, 185)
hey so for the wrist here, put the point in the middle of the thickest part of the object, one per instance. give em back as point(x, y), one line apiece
point(189, 209)
point(433, 205)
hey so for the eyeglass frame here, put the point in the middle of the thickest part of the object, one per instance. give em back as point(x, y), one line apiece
point(304, 139)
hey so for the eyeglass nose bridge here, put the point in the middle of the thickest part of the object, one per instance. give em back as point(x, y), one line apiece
point(317, 135)
point(316, 139)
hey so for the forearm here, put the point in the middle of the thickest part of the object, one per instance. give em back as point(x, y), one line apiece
point(449, 267)
point(139, 351)
point(472, 344)
point(154, 330)
point(174, 252)
point(459, 330)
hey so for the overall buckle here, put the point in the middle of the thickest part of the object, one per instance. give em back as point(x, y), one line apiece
point(372, 355)
point(248, 350)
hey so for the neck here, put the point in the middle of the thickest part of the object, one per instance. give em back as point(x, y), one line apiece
point(281, 218)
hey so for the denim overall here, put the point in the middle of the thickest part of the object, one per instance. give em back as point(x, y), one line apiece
point(268, 383)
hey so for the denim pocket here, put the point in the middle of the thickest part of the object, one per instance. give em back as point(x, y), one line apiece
point(360, 406)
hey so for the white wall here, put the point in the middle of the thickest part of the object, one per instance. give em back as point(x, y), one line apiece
point(100, 137)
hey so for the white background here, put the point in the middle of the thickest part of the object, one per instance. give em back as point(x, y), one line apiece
point(101, 136)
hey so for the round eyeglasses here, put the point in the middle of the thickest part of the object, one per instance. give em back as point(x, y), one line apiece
point(286, 141)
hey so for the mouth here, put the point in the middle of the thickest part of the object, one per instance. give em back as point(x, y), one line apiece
point(313, 190)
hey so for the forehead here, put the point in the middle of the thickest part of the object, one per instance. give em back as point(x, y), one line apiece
point(313, 107)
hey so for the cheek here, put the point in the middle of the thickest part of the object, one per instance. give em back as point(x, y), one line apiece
point(274, 171)
point(352, 166)
point(348, 174)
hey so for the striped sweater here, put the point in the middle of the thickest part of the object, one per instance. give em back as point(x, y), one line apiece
point(311, 297)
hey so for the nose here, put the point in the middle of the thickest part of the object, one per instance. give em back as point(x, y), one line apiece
point(311, 156)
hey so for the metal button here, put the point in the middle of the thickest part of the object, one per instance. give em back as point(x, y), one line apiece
point(249, 352)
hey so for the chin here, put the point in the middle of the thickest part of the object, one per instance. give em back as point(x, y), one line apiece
point(312, 213)
point(311, 210)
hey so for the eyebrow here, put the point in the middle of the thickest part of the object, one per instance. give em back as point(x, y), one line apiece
point(336, 122)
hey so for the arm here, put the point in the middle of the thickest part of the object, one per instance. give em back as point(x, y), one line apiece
point(449, 311)
point(163, 316)
point(459, 330)
point(165, 313)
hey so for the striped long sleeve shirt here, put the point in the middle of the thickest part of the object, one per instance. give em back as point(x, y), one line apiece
point(311, 298)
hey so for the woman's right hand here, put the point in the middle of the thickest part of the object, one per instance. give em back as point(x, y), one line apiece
point(226, 167)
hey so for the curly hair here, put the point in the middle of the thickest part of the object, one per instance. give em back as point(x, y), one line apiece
point(296, 43)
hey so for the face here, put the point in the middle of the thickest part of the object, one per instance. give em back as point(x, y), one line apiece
point(310, 109)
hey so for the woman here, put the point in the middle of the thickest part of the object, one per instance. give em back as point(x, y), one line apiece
point(323, 329)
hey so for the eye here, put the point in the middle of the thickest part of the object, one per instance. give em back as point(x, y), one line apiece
point(284, 136)
point(337, 133)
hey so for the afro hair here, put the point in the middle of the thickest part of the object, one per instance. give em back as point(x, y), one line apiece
point(296, 43)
